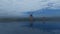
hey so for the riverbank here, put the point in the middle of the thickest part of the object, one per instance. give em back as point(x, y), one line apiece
point(34, 19)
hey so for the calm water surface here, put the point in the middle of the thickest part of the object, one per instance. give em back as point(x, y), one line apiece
point(24, 28)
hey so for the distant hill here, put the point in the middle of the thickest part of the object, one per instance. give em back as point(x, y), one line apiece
point(38, 13)
point(45, 12)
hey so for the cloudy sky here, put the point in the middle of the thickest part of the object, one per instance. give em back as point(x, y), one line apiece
point(18, 7)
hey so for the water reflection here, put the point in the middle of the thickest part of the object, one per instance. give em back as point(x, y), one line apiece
point(24, 28)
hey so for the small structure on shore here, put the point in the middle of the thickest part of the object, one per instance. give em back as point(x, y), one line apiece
point(31, 20)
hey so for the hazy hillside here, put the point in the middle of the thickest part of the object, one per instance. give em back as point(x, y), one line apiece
point(46, 12)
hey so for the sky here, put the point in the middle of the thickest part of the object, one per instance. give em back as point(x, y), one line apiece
point(21, 7)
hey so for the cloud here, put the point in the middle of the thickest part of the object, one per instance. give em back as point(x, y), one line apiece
point(28, 5)
point(15, 7)
point(54, 4)
point(22, 5)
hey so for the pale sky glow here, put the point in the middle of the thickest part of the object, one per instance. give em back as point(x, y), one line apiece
point(15, 7)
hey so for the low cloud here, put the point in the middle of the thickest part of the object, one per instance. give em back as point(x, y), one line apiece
point(15, 7)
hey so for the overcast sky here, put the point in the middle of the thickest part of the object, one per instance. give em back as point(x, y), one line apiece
point(16, 7)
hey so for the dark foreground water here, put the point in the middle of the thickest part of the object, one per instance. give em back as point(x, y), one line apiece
point(24, 28)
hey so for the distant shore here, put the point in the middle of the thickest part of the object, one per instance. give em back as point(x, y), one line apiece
point(27, 19)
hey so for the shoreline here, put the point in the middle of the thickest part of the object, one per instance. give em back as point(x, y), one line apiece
point(27, 19)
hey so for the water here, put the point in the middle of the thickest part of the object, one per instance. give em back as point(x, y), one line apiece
point(24, 28)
